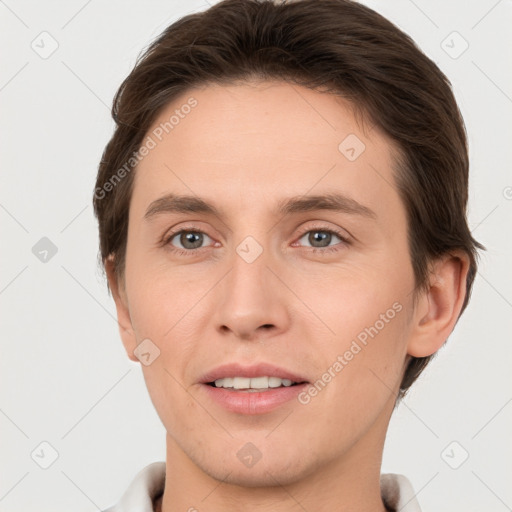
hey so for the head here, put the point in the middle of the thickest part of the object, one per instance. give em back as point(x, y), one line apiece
point(246, 105)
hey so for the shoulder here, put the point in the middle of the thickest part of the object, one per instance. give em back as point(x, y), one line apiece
point(398, 493)
point(145, 486)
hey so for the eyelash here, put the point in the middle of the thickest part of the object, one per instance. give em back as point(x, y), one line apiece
point(315, 250)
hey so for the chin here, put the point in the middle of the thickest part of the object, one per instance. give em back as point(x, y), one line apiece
point(272, 469)
point(263, 476)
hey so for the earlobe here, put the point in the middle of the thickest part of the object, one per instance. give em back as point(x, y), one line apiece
point(123, 314)
point(439, 307)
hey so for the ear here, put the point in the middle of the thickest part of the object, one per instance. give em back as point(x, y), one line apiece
point(123, 314)
point(438, 308)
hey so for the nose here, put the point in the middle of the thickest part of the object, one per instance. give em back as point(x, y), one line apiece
point(252, 301)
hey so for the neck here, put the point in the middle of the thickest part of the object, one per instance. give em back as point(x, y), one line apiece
point(350, 482)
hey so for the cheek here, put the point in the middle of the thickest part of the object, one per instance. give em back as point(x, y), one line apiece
point(375, 355)
point(166, 306)
point(158, 297)
point(352, 299)
point(368, 321)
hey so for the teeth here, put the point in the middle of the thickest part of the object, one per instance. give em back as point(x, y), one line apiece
point(252, 383)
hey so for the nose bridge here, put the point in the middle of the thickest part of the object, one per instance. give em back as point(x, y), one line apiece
point(249, 277)
point(249, 298)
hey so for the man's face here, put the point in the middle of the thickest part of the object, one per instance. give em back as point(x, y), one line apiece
point(322, 294)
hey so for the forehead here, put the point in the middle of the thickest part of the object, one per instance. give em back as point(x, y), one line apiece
point(246, 144)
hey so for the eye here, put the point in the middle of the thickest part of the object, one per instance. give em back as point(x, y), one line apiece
point(189, 240)
point(320, 239)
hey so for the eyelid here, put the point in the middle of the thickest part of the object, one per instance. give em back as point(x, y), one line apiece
point(321, 226)
point(172, 231)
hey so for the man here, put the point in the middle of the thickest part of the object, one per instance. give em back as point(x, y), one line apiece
point(282, 215)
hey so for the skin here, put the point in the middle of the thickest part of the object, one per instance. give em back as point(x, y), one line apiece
point(245, 147)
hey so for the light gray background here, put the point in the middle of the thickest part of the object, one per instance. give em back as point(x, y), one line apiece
point(65, 378)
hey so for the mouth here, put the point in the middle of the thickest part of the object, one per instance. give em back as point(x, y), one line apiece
point(255, 389)
point(253, 384)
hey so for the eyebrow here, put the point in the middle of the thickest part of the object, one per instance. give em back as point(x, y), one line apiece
point(174, 203)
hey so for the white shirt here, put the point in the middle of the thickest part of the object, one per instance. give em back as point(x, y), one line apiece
point(396, 491)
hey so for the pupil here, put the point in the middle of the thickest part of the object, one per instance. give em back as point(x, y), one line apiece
point(323, 236)
point(188, 237)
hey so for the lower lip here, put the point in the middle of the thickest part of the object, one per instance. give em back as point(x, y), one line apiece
point(253, 402)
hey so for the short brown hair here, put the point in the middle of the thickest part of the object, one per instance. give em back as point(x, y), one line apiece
point(340, 45)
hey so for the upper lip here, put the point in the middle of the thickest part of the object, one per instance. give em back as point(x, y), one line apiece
point(253, 370)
